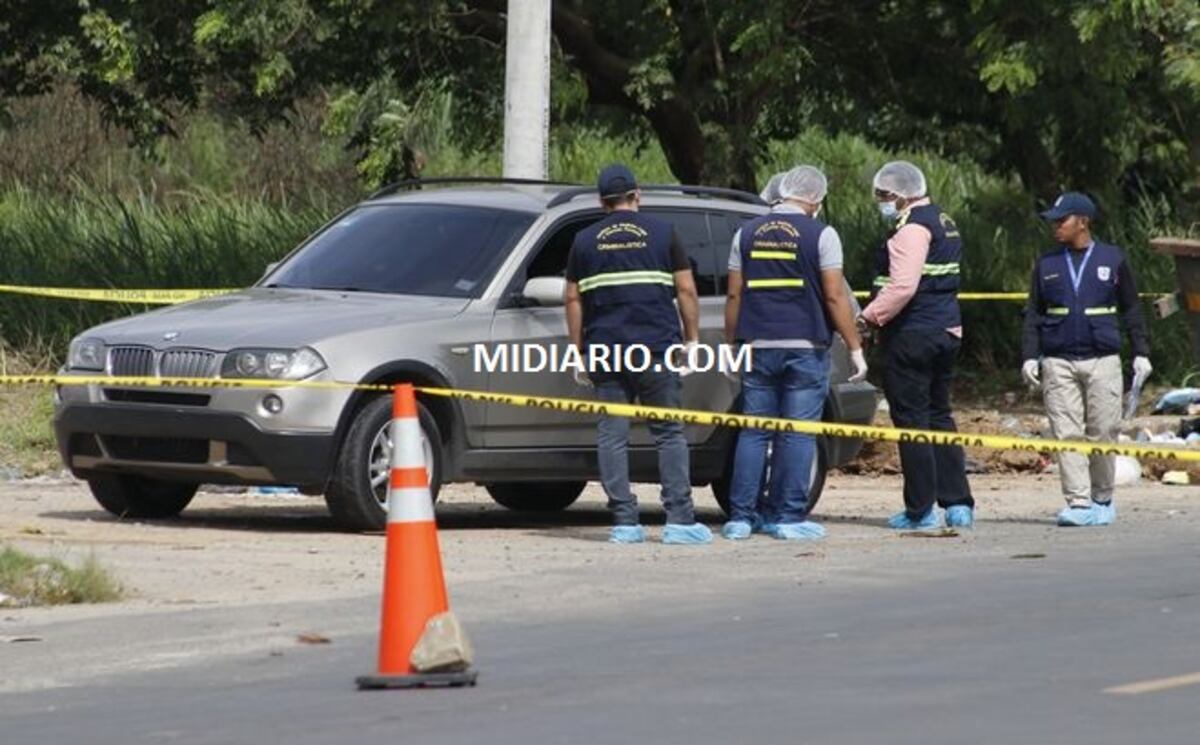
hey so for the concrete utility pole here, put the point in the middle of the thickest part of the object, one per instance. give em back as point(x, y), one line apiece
point(527, 90)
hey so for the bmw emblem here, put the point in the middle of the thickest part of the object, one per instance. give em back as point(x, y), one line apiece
point(171, 336)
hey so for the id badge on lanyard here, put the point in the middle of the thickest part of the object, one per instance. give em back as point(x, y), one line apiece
point(1077, 276)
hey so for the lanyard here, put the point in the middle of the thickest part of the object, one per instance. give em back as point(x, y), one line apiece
point(1077, 277)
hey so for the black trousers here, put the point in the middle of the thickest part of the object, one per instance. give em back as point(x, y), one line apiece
point(916, 380)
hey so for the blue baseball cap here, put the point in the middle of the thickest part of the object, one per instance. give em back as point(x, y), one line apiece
point(616, 180)
point(1071, 203)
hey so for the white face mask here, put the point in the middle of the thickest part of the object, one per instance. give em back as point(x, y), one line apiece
point(889, 210)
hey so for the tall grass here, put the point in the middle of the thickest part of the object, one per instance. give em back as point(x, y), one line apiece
point(97, 241)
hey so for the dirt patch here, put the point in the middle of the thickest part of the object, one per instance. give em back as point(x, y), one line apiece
point(883, 458)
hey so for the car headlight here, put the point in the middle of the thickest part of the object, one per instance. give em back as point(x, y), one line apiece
point(274, 364)
point(85, 354)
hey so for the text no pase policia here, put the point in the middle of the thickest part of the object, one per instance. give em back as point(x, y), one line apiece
point(827, 429)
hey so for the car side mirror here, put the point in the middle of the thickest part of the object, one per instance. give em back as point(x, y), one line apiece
point(270, 268)
point(546, 291)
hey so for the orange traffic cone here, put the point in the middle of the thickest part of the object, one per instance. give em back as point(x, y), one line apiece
point(413, 587)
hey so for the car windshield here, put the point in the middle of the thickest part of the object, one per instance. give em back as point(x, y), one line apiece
point(406, 249)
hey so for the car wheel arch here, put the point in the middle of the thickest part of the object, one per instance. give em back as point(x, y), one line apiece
point(447, 412)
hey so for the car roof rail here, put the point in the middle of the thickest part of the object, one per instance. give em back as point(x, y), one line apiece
point(417, 183)
point(736, 195)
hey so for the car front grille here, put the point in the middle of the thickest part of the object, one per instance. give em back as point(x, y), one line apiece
point(132, 361)
point(187, 363)
point(171, 363)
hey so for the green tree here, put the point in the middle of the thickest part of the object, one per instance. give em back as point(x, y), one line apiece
point(1102, 96)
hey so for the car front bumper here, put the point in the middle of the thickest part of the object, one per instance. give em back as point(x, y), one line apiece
point(188, 444)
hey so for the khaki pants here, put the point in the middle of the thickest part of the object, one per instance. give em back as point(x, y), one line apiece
point(1083, 401)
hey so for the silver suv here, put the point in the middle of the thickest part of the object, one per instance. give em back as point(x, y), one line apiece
point(398, 288)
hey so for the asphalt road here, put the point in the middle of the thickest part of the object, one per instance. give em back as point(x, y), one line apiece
point(940, 645)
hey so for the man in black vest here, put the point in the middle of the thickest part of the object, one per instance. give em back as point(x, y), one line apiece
point(623, 277)
point(786, 295)
point(916, 306)
point(1078, 291)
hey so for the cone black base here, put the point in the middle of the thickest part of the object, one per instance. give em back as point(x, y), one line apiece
point(418, 680)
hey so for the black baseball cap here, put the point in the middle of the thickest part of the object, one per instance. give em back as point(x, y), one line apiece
point(1071, 203)
point(616, 180)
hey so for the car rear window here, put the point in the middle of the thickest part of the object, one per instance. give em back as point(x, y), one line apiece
point(406, 249)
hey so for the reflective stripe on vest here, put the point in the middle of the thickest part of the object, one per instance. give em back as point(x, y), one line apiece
point(940, 270)
point(1106, 310)
point(786, 255)
point(638, 277)
point(770, 284)
point(929, 270)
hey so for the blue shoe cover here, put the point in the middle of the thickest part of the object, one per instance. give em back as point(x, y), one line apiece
point(960, 516)
point(627, 534)
point(736, 530)
point(686, 535)
point(1096, 514)
point(767, 528)
point(805, 531)
point(901, 521)
point(1077, 517)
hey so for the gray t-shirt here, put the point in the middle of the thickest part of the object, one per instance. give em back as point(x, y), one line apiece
point(829, 248)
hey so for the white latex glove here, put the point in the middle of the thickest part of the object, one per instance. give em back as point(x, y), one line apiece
point(1031, 371)
point(1141, 369)
point(581, 377)
point(859, 360)
point(732, 377)
point(687, 353)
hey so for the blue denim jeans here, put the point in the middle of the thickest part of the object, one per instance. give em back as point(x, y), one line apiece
point(791, 383)
point(651, 389)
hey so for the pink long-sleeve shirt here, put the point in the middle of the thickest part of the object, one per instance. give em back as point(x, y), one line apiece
point(907, 251)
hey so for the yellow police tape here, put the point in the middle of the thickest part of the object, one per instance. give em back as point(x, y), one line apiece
point(148, 297)
point(1014, 296)
point(634, 411)
point(171, 297)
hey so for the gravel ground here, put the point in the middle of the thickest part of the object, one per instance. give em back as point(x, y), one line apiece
point(230, 549)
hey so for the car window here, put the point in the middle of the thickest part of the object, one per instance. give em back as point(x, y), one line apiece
point(551, 258)
point(411, 249)
point(692, 228)
point(724, 227)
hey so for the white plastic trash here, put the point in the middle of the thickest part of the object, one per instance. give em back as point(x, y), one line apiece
point(1128, 471)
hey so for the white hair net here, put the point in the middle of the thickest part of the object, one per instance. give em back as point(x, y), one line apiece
point(770, 192)
point(902, 179)
point(804, 183)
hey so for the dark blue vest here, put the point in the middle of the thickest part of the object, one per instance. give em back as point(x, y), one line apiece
point(782, 297)
point(627, 282)
point(935, 304)
point(1083, 324)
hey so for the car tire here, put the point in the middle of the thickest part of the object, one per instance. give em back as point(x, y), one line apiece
point(356, 505)
point(536, 496)
point(128, 495)
point(721, 487)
